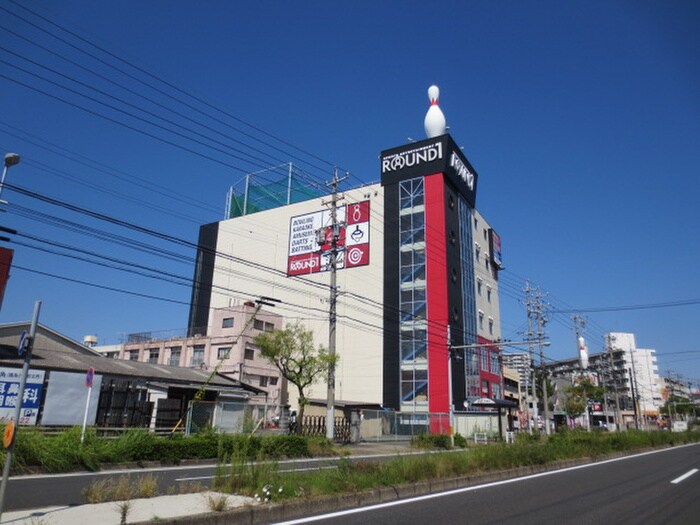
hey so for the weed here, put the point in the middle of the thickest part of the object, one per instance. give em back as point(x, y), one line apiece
point(217, 502)
point(97, 492)
point(146, 486)
point(123, 507)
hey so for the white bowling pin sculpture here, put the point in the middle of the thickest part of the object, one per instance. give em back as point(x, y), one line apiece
point(435, 123)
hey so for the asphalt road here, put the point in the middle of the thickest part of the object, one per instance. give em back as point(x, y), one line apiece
point(36, 491)
point(660, 487)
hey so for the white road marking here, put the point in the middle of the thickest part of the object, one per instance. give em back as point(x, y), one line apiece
point(684, 476)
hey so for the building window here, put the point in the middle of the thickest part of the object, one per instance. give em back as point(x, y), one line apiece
point(481, 320)
point(249, 353)
point(198, 355)
point(485, 359)
point(490, 326)
point(175, 352)
point(486, 234)
point(153, 354)
point(488, 264)
point(476, 223)
point(264, 326)
point(223, 352)
point(273, 381)
point(478, 286)
point(263, 380)
point(488, 294)
point(495, 363)
point(227, 322)
point(496, 391)
point(477, 252)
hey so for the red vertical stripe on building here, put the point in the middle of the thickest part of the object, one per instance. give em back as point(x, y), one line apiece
point(436, 278)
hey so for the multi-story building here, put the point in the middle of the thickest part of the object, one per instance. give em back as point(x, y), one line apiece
point(484, 363)
point(627, 373)
point(225, 344)
point(521, 362)
point(418, 272)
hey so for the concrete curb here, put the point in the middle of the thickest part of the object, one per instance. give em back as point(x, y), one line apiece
point(267, 513)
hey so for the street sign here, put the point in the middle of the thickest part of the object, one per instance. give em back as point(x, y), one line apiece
point(22, 346)
point(89, 377)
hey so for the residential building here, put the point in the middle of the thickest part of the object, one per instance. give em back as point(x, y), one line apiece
point(225, 344)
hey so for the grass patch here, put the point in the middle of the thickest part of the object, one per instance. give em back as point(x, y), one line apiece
point(123, 488)
point(356, 477)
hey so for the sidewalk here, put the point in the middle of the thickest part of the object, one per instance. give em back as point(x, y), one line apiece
point(164, 507)
point(140, 510)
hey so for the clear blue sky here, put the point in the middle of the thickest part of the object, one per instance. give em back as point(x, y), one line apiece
point(582, 119)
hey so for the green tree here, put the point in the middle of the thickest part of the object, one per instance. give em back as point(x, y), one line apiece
point(579, 395)
point(292, 351)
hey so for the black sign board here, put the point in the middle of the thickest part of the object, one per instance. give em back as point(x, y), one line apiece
point(427, 157)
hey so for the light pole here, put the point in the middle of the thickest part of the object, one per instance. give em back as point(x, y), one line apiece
point(11, 159)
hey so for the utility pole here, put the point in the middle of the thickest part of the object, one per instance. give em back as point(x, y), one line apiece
point(334, 250)
point(541, 321)
point(609, 341)
point(579, 325)
point(531, 350)
point(637, 411)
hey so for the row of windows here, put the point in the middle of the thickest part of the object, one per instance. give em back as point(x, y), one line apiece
point(479, 286)
point(481, 323)
point(412, 303)
point(222, 352)
point(476, 227)
point(264, 326)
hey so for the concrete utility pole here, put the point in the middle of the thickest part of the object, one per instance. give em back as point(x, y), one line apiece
point(335, 249)
point(609, 342)
point(541, 322)
point(579, 325)
point(531, 350)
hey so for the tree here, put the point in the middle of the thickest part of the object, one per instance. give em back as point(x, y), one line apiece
point(292, 351)
point(579, 395)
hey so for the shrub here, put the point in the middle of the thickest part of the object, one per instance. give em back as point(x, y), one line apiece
point(441, 441)
point(460, 440)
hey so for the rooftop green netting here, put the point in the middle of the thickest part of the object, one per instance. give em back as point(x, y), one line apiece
point(267, 190)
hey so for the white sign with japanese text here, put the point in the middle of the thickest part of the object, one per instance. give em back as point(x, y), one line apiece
point(9, 394)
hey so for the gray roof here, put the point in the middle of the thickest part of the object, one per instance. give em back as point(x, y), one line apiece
point(54, 351)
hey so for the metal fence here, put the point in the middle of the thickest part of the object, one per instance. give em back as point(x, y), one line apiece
point(387, 425)
point(231, 417)
point(374, 425)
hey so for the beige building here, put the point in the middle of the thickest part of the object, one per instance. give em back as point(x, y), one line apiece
point(265, 238)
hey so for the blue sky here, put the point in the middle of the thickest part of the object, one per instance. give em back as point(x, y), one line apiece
point(582, 119)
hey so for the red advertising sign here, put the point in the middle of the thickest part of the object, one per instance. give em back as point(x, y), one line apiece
point(307, 256)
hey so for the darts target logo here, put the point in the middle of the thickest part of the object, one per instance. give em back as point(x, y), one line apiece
point(357, 255)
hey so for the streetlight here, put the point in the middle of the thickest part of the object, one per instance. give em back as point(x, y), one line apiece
point(11, 159)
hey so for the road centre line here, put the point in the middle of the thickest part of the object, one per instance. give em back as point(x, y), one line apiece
point(470, 489)
point(684, 476)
